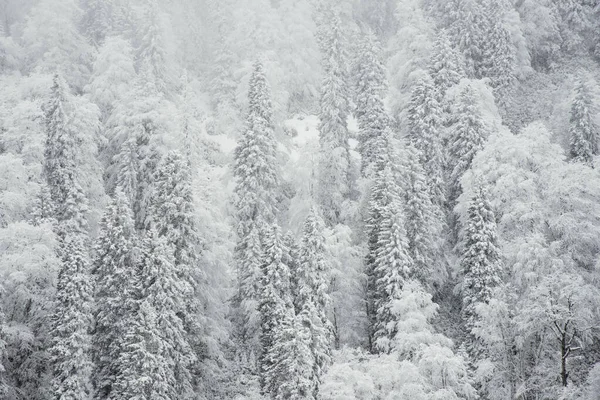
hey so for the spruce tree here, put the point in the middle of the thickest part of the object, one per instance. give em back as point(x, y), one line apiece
point(71, 360)
point(313, 300)
point(446, 65)
point(371, 87)
point(425, 124)
point(380, 196)
point(424, 222)
point(172, 214)
point(583, 131)
point(60, 170)
point(335, 176)
point(153, 58)
point(166, 292)
point(275, 305)
point(480, 262)
point(142, 370)
point(391, 262)
point(115, 268)
point(136, 163)
point(467, 138)
point(62, 201)
point(293, 359)
point(97, 20)
point(257, 178)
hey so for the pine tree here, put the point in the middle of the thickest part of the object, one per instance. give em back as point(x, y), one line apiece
point(391, 262)
point(313, 300)
point(97, 19)
point(257, 181)
point(60, 169)
point(480, 262)
point(294, 360)
point(424, 222)
point(172, 214)
point(425, 124)
point(446, 65)
point(384, 189)
point(166, 292)
point(371, 88)
point(153, 56)
point(137, 162)
point(115, 268)
point(275, 305)
point(71, 343)
point(468, 28)
point(335, 175)
point(142, 371)
point(584, 133)
point(467, 138)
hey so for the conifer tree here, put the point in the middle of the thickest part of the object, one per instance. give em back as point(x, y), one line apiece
point(392, 263)
point(172, 214)
point(97, 20)
point(584, 133)
point(499, 53)
point(425, 124)
point(335, 176)
point(467, 138)
point(446, 65)
point(313, 300)
point(71, 359)
point(275, 305)
point(68, 201)
point(293, 369)
point(142, 370)
point(153, 56)
point(115, 264)
point(257, 181)
point(424, 222)
point(371, 87)
point(480, 263)
point(166, 292)
point(137, 162)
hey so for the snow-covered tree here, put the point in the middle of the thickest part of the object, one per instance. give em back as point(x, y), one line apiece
point(112, 75)
point(445, 65)
point(584, 132)
point(166, 292)
point(136, 164)
point(54, 44)
point(312, 299)
point(154, 56)
point(424, 222)
point(275, 305)
point(72, 322)
point(293, 369)
point(392, 263)
point(142, 369)
point(425, 132)
point(383, 193)
point(335, 168)
point(379, 14)
point(60, 159)
point(467, 137)
point(98, 19)
point(172, 214)
point(115, 264)
point(480, 262)
point(371, 88)
point(257, 180)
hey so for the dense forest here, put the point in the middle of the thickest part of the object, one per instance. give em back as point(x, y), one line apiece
point(299, 199)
